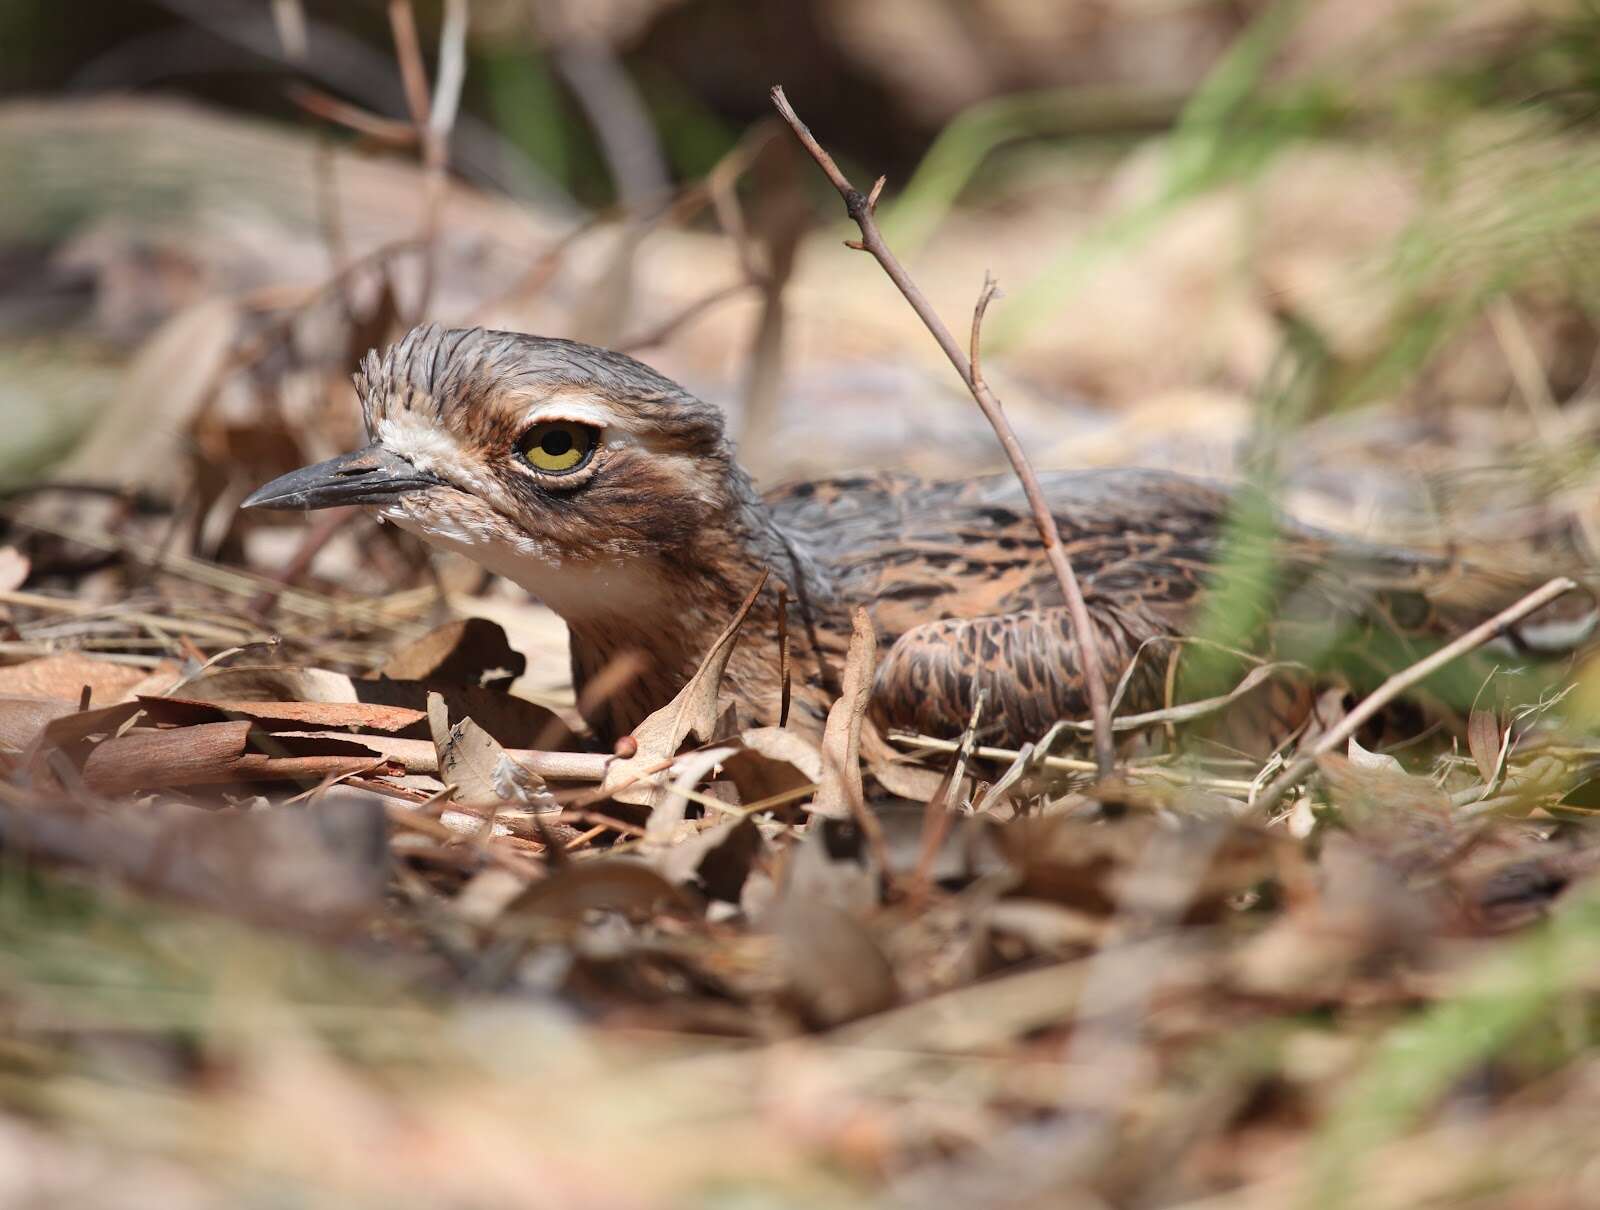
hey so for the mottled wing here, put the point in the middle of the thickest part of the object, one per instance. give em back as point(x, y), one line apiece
point(1025, 665)
point(965, 601)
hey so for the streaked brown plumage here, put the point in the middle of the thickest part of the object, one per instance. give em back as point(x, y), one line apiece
point(649, 534)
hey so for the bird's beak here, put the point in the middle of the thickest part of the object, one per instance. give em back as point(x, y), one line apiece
point(369, 476)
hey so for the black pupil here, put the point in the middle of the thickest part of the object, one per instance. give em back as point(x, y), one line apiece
point(556, 442)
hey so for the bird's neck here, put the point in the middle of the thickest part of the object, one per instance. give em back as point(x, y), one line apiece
point(640, 626)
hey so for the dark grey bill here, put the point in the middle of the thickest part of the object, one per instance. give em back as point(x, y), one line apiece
point(369, 476)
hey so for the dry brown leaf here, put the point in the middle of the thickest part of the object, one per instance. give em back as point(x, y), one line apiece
point(717, 860)
point(477, 766)
point(64, 676)
point(270, 683)
point(917, 783)
point(217, 753)
point(1483, 741)
point(773, 761)
point(671, 806)
point(841, 789)
point(467, 651)
point(693, 712)
point(512, 721)
point(1363, 759)
point(23, 719)
point(81, 724)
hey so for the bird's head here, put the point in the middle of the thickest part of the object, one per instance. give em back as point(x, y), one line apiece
point(541, 459)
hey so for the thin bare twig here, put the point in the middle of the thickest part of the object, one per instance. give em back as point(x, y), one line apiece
point(387, 131)
point(452, 71)
point(408, 52)
point(433, 115)
point(860, 207)
point(991, 291)
point(1401, 681)
point(785, 689)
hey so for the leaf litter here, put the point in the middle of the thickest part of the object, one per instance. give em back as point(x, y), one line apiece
point(1052, 957)
point(307, 900)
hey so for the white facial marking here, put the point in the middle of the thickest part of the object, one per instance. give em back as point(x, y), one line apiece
point(574, 589)
point(428, 446)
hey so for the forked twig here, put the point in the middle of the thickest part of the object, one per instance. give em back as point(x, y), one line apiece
point(860, 206)
point(1401, 681)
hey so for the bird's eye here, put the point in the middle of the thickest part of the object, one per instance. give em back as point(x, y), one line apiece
point(558, 446)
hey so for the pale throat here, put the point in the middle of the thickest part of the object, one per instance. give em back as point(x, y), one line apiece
point(610, 605)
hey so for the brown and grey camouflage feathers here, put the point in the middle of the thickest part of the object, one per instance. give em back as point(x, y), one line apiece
point(651, 550)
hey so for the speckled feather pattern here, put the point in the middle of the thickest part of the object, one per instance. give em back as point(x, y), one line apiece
point(651, 550)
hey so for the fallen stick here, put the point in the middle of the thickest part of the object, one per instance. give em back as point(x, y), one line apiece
point(420, 756)
point(861, 207)
point(1401, 681)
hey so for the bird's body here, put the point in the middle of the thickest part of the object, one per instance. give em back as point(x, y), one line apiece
point(612, 495)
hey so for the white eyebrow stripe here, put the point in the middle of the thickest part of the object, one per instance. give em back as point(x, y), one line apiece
point(579, 411)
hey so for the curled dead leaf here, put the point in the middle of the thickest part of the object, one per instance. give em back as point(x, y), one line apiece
point(1483, 741)
point(692, 712)
point(717, 860)
point(217, 753)
point(773, 762)
point(840, 791)
point(477, 766)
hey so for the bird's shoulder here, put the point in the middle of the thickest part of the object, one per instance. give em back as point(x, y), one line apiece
point(966, 547)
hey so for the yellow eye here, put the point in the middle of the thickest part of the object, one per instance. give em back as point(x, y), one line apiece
point(558, 446)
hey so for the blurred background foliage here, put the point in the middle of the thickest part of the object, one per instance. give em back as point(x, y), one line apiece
point(1171, 192)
